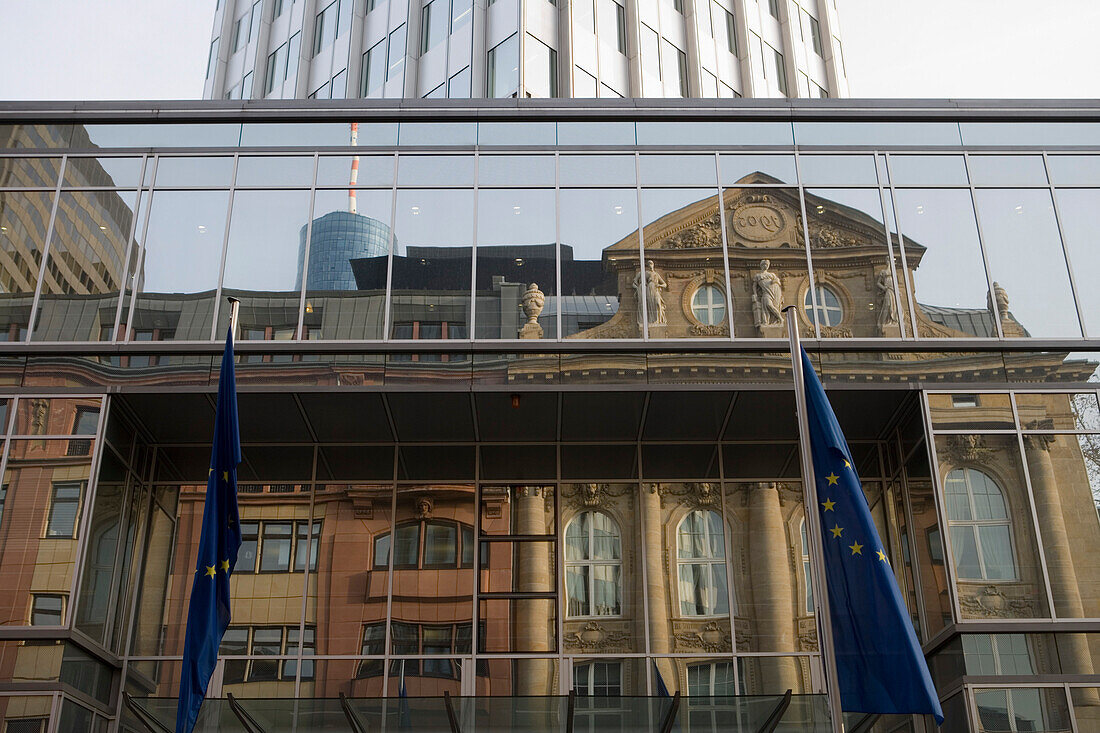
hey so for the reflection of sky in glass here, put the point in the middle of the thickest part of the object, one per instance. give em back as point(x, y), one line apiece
point(592, 170)
point(274, 170)
point(435, 218)
point(927, 170)
point(951, 272)
point(1081, 226)
point(735, 167)
point(1006, 170)
point(515, 216)
point(263, 239)
point(183, 245)
point(837, 170)
point(1025, 256)
point(592, 220)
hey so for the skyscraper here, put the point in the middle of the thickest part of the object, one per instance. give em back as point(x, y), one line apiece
point(347, 49)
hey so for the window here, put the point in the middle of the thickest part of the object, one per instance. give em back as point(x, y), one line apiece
point(981, 532)
point(240, 33)
point(278, 9)
point(327, 27)
point(593, 566)
point(820, 91)
point(276, 69)
point(26, 725)
point(396, 56)
point(339, 91)
point(964, 400)
point(309, 648)
point(280, 547)
point(416, 330)
point(461, 10)
point(266, 641)
point(598, 679)
point(997, 654)
point(620, 27)
point(254, 22)
point(541, 77)
point(731, 28)
point(430, 543)
point(374, 70)
point(584, 84)
point(773, 8)
point(246, 86)
point(808, 585)
point(439, 639)
point(86, 422)
point(829, 310)
point(234, 643)
point(708, 305)
point(815, 36)
point(1018, 710)
point(714, 679)
point(212, 57)
point(433, 25)
point(458, 86)
point(701, 564)
point(780, 72)
point(673, 58)
point(293, 55)
point(678, 6)
point(47, 609)
point(64, 509)
point(374, 643)
point(503, 68)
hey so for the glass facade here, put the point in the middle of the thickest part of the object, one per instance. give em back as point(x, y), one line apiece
point(588, 481)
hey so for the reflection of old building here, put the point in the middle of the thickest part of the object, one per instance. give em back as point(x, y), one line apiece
point(509, 471)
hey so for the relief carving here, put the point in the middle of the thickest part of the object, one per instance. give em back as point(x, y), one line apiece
point(967, 449)
point(991, 602)
point(712, 638)
point(595, 637)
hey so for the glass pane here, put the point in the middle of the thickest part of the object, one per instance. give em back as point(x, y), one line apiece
point(270, 170)
point(371, 170)
point(516, 264)
point(742, 169)
point(109, 172)
point(1074, 169)
point(971, 411)
point(876, 133)
point(1077, 210)
point(515, 170)
point(435, 170)
point(24, 218)
point(599, 255)
point(676, 170)
point(992, 536)
point(1006, 170)
point(28, 172)
point(927, 170)
point(945, 262)
point(431, 264)
point(194, 171)
point(182, 258)
point(1026, 259)
point(837, 170)
point(263, 264)
point(591, 170)
point(347, 265)
point(721, 134)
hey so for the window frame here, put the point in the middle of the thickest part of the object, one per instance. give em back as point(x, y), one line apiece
point(707, 561)
point(822, 308)
point(55, 501)
point(590, 665)
point(590, 564)
point(62, 600)
point(711, 306)
point(975, 525)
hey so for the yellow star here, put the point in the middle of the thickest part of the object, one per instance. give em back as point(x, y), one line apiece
point(846, 464)
point(828, 504)
point(882, 555)
point(210, 571)
point(836, 530)
point(857, 549)
point(224, 565)
point(832, 477)
point(211, 471)
point(225, 475)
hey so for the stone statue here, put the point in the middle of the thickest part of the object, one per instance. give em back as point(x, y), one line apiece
point(885, 302)
point(767, 297)
point(1001, 295)
point(654, 301)
point(533, 302)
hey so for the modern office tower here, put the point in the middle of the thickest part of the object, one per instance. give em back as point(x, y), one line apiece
point(348, 49)
point(549, 445)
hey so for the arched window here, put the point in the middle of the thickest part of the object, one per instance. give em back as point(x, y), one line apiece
point(701, 564)
point(708, 305)
point(981, 532)
point(593, 566)
point(806, 570)
point(829, 310)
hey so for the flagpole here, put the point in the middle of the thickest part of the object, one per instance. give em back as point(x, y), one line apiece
point(234, 307)
point(813, 521)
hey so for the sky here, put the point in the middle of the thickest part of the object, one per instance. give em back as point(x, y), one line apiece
point(156, 49)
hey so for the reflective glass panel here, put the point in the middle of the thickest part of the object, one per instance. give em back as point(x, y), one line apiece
point(431, 268)
point(109, 172)
point(1074, 169)
point(599, 258)
point(944, 258)
point(435, 170)
point(24, 218)
point(676, 170)
point(1026, 259)
point(90, 255)
point(1077, 210)
point(311, 134)
point(516, 263)
point(741, 169)
point(852, 299)
point(591, 170)
point(515, 170)
point(1006, 170)
point(263, 263)
point(372, 170)
point(837, 170)
point(927, 170)
point(683, 241)
point(181, 261)
point(272, 170)
point(28, 172)
point(719, 134)
point(876, 133)
point(194, 171)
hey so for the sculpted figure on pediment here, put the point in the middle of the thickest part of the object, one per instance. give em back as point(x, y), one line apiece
point(767, 297)
point(651, 290)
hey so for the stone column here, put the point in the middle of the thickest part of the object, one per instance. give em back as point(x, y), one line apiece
point(1072, 648)
point(657, 581)
point(772, 588)
point(533, 616)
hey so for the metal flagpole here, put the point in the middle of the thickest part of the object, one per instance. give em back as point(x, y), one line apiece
point(813, 520)
point(234, 307)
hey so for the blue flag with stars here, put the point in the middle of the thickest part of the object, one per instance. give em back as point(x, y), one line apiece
point(208, 614)
point(880, 666)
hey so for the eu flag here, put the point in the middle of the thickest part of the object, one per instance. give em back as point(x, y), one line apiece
point(208, 614)
point(880, 667)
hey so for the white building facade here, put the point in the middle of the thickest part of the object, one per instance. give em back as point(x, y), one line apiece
point(348, 49)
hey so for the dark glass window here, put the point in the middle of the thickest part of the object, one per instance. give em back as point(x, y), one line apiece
point(47, 609)
point(276, 547)
point(268, 642)
point(246, 556)
point(64, 508)
point(307, 546)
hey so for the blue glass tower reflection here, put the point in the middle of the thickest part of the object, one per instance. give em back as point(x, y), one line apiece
point(338, 238)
